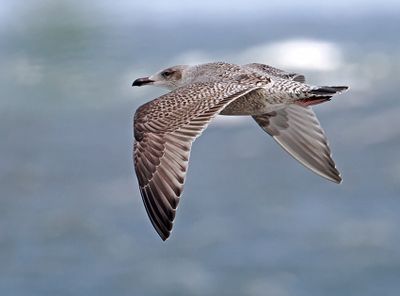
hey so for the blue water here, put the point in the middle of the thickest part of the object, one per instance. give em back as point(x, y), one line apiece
point(251, 220)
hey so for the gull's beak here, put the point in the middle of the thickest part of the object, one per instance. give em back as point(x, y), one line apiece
point(142, 81)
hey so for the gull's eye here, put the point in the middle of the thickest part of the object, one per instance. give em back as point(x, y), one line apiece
point(167, 73)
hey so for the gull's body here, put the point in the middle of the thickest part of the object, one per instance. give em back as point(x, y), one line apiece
point(166, 127)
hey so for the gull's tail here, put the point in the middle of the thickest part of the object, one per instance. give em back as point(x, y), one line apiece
point(320, 94)
point(328, 90)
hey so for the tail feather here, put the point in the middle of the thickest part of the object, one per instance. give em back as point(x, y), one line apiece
point(328, 90)
point(313, 101)
point(320, 94)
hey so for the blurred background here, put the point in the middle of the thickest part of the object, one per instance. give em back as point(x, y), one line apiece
point(251, 221)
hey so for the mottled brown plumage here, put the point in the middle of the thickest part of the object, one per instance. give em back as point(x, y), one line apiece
point(165, 128)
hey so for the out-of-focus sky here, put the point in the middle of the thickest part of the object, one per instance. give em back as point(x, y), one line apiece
point(251, 221)
point(174, 11)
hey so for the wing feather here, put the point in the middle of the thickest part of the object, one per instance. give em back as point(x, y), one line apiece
point(297, 130)
point(269, 70)
point(164, 131)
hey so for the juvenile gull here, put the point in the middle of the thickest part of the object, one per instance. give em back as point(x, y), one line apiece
point(165, 128)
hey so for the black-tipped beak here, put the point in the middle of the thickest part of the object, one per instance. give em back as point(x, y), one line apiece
point(142, 81)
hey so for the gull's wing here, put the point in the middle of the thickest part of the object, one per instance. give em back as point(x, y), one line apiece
point(164, 130)
point(269, 70)
point(297, 130)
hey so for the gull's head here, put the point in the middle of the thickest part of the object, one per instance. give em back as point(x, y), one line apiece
point(170, 78)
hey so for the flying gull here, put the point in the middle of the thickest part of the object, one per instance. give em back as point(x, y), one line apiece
point(165, 128)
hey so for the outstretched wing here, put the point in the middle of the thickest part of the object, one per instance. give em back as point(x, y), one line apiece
point(266, 69)
point(297, 130)
point(164, 130)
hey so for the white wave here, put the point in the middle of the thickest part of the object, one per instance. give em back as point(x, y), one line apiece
point(293, 54)
point(296, 54)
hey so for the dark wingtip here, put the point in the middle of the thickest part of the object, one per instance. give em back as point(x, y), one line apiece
point(335, 176)
point(163, 235)
point(338, 180)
